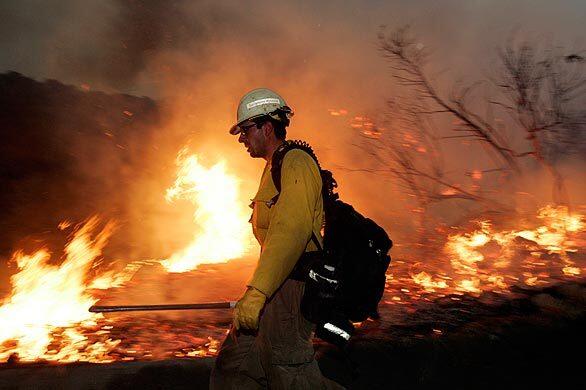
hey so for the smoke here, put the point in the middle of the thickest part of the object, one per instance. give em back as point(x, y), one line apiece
point(197, 58)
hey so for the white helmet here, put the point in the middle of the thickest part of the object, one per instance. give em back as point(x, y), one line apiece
point(260, 102)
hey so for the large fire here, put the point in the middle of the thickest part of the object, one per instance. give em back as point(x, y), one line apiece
point(224, 233)
point(46, 317)
point(50, 301)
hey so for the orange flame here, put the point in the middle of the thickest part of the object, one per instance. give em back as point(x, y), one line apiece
point(485, 259)
point(468, 251)
point(223, 233)
point(46, 316)
point(424, 279)
point(47, 297)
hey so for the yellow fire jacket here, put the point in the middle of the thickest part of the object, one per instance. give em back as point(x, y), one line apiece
point(284, 229)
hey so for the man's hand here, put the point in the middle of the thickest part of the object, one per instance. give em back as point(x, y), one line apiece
point(247, 310)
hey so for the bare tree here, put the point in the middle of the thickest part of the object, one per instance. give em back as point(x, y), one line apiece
point(415, 158)
point(407, 60)
point(541, 94)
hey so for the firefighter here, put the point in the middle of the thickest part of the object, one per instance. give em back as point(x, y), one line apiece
point(269, 343)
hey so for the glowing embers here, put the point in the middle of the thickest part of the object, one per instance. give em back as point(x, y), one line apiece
point(210, 348)
point(547, 251)
point(222, 232)
point(337, 112)
point(491, 260)
point(428, 282)
point(366, 126)
point(46, 313)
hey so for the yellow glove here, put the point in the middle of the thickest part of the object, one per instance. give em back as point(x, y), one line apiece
point(247, 310)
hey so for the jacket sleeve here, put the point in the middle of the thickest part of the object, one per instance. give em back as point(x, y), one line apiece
point(291, 222)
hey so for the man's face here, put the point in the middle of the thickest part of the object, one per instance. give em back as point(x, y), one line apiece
point(253, 139)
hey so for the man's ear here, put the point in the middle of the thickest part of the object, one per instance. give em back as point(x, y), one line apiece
point(267, 128)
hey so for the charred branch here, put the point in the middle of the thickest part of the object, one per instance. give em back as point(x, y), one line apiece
point(407, 59)
point(544, 94)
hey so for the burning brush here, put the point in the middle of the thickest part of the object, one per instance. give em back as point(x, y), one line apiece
point(50, 314)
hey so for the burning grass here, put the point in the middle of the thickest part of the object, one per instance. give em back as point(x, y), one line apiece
point(46, 316)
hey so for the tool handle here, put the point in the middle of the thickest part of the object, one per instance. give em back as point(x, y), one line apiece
point(181, 306)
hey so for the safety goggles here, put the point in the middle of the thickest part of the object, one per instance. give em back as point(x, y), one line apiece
point(246, 127)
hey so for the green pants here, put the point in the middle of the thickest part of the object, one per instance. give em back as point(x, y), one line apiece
point(279, 356)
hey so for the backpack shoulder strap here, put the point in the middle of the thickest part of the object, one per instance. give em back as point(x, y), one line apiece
point(279, 156)
point(329, 184)
point(277, 163)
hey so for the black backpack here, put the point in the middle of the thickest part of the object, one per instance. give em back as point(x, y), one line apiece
point(346, 279)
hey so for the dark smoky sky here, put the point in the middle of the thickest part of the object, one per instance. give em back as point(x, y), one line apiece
point(201, 56)
point(118, 44)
